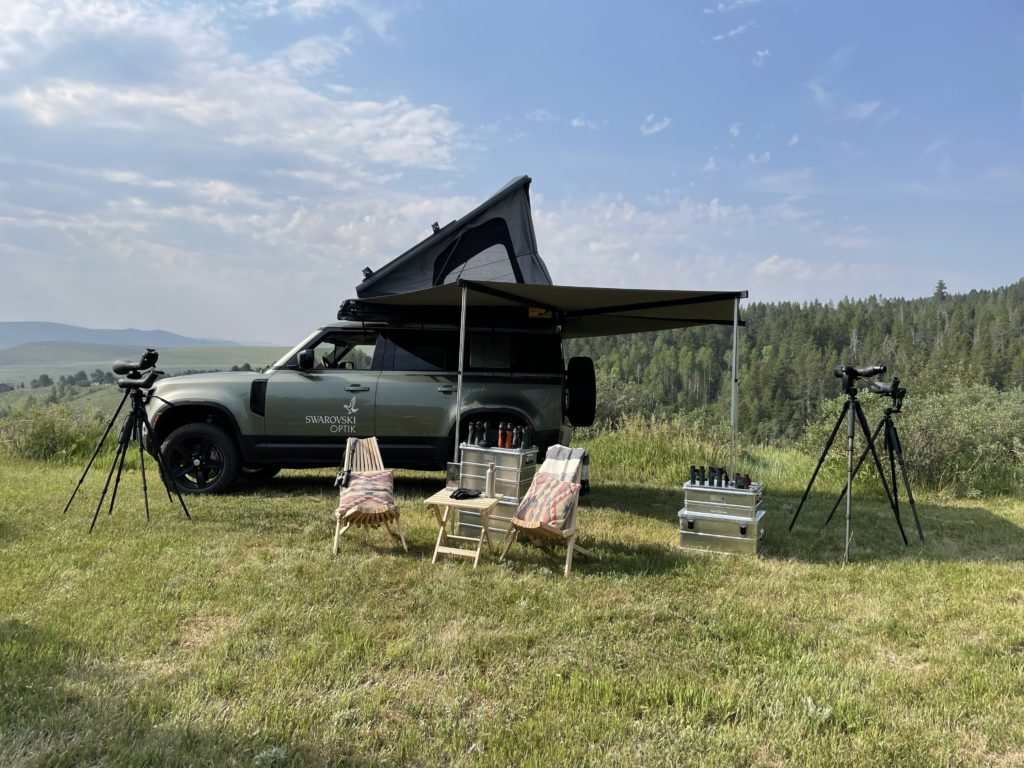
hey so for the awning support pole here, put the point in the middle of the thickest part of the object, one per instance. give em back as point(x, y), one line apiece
point(462, 358)
point(735, 385)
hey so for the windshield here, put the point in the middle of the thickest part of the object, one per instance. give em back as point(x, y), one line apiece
point(304, 344)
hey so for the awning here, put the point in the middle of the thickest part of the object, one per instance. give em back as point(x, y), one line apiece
point(583, 311)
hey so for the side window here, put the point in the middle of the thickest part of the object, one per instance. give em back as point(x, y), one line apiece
point(423, 351)
point(491, 351)
point(345, 351)
point(515, 352)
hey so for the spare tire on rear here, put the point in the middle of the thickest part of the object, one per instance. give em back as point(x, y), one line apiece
point(580, 391)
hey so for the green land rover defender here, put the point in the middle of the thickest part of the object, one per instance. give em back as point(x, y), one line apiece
point(395, 380)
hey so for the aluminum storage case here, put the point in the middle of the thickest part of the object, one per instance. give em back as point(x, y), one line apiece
point(722, 533)
point(722, 519)
point(514, 469)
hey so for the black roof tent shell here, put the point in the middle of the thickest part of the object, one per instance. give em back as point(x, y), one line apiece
point(493, 242)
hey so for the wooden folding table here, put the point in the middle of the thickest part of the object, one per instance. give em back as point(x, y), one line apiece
point(443, 505)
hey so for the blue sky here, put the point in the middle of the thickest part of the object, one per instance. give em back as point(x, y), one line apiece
point(226, 170)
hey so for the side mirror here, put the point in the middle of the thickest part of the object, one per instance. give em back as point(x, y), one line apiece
point(306, 360)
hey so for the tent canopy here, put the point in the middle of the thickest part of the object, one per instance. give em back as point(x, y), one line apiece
point(494, 242)
point(581, 311)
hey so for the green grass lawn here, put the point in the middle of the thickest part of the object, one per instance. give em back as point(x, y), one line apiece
point(237, 640)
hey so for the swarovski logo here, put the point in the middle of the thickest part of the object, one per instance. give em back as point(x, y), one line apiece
point(351, 406)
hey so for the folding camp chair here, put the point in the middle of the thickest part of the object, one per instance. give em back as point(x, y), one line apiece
point(547, 512)
point(367, 492)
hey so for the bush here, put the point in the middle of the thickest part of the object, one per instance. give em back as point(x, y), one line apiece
point(52, 433)
point(966, 441)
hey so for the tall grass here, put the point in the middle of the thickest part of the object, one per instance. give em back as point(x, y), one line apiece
point(52, 432)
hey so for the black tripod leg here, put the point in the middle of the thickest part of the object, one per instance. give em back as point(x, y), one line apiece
point(892, 474)
point(881, 472)
point(122, 446)
point(142, 467)
point(897, 448)
point(856, 469)
point(164, 473)
point(96, 452)
point(120, 465)
point(821, 460)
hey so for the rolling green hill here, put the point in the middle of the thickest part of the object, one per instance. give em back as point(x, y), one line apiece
point(55, 358)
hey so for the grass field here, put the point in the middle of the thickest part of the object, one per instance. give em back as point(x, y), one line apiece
point(237, 640)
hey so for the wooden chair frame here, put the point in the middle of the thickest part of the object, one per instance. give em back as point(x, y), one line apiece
point(363, 455)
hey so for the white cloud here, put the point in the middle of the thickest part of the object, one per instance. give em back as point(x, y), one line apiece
point(735, 31)
point(315, 55)
point(29, 29)
point(775, 265)
point(760, 57)
point(256, 106)
point(729, 7)
point(934, 147)
point(734, 129)
point(652, 124)
point(861, 111)
point(375, 15)
point(821, 95)
point(764, 157)
point(793, 140)
point(540, 116)
point(709, 166)
point(849, 238)
point(591, 125)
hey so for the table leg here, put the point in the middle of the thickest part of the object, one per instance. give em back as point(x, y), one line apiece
point(442, 535)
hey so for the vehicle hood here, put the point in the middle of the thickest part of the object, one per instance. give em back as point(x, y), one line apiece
point(211, 383)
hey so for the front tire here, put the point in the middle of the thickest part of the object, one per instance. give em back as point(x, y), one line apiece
point(201, 458)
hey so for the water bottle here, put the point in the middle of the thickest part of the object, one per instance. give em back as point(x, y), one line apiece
point(489, 481)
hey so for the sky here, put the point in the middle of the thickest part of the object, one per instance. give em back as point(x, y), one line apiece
point(226, 169)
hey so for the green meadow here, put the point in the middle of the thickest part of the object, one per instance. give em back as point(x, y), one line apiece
point(236, 639)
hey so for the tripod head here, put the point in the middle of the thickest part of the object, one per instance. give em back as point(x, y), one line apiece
point(850, 373)
point(132, 373)
point(893, 390)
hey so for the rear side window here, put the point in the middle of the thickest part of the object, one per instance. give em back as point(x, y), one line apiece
point(423, 351)
point(515, 353)
point(437, 351)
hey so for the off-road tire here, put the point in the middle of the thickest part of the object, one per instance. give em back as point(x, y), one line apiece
point(201, 458)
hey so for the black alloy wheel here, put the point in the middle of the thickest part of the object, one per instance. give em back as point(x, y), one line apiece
point(201, 458)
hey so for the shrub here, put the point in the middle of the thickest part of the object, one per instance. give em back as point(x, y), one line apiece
point(52, 432)
point(966, 441)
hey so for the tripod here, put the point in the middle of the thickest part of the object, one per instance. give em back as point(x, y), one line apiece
point(135, 422)
point(853, 412)
point(895, 451)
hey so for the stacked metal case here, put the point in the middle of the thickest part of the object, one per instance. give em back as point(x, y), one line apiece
point(722, 518)
point(514, 469)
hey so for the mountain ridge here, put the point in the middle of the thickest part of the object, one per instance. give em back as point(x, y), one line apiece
point(16, 333)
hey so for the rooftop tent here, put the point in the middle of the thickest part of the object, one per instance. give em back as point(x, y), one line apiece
point(494, 242)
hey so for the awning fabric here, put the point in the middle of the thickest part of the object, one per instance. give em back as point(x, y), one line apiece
point(583, 311)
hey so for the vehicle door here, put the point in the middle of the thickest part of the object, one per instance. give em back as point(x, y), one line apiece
point(416, 394)
point(312, 412)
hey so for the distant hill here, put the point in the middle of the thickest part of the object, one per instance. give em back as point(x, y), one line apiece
point(27, 361)
point(13, 334)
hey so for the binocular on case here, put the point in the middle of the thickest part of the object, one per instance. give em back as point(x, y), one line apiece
point(717, 477)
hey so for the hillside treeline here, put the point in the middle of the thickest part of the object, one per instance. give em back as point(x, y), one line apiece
point(788, 351)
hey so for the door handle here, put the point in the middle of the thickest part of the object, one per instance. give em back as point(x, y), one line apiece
point(357, 388)
point(446, 389)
